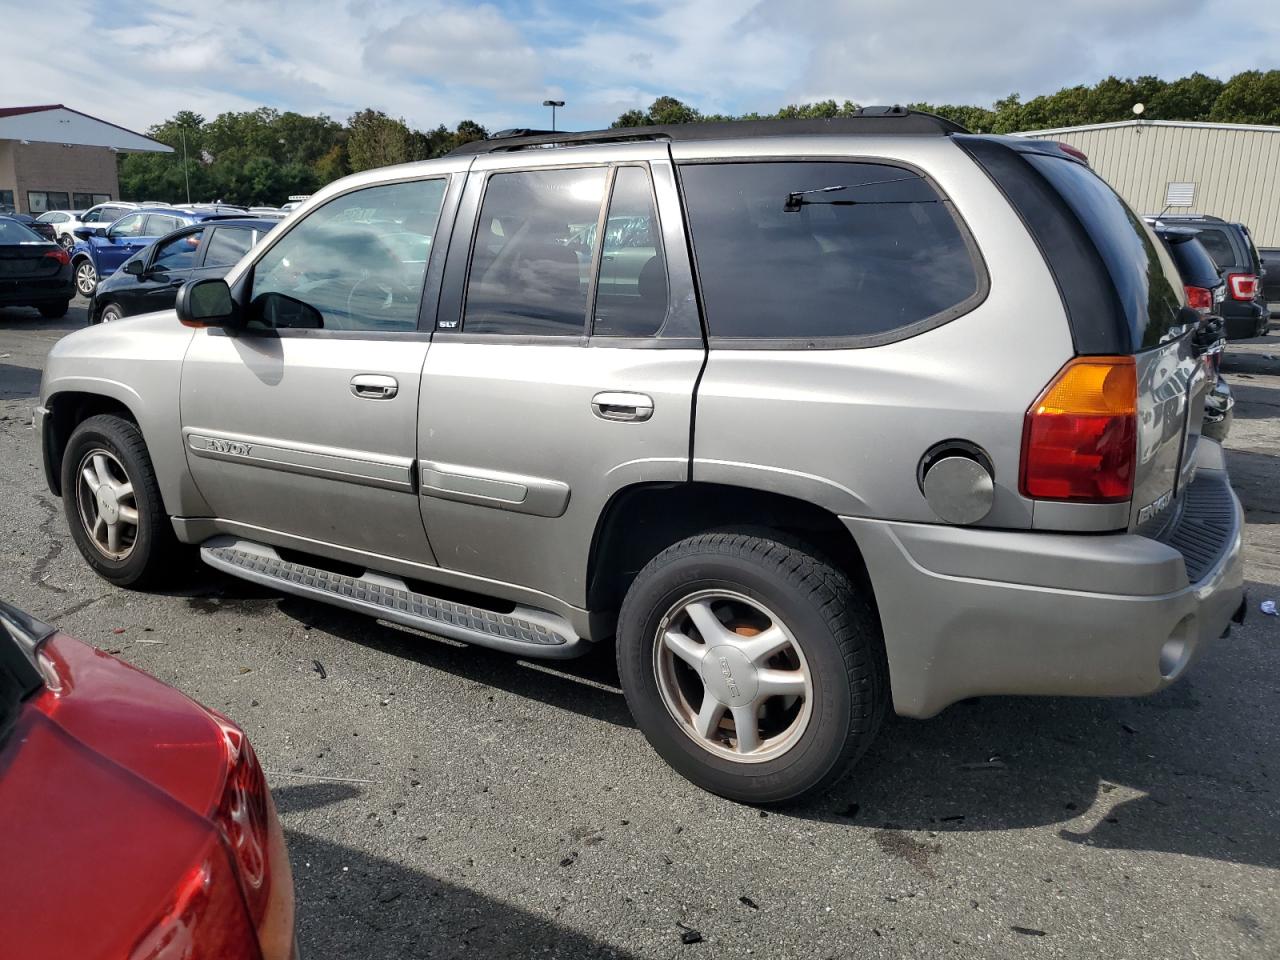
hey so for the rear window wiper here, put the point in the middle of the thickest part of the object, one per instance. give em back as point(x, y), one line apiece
point(796, 199)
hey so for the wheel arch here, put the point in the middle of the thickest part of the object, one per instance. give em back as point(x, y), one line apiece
point(67, 409)
point(643, 519)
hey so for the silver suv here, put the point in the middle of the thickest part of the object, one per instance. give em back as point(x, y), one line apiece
point(812, 417)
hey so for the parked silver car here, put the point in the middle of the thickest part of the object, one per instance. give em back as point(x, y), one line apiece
point(814, 417)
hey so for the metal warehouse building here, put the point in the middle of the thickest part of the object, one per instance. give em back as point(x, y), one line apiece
point(1229, 170)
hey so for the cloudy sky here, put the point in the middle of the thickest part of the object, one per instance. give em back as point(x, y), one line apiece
point(441, 61)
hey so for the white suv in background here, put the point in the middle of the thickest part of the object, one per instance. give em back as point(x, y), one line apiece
point(64, 222)
point(105, 214)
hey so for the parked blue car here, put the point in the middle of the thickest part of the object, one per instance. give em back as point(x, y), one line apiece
point(101, 250)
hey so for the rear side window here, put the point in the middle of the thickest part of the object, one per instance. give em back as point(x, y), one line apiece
point(831, 251)
point(1219, 246)
point(534, 249)
point(1145, 279)
point(1194, 263)
point(227, 246)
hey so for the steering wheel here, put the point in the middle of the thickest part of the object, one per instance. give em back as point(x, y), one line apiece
point(385, 302)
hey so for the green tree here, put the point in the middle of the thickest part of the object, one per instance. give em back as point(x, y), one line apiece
point(377, 140)
point(1249, 97)
point(1188, 98)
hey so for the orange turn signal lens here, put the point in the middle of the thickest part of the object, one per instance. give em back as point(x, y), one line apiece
point(1092, 386)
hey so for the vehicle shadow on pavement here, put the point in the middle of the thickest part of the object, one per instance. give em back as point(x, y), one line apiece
point(1182, 772)
point(1253, 477)
point(348, 901)
point(19, 383)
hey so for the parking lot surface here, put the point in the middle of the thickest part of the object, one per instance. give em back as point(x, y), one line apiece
point(442, 801)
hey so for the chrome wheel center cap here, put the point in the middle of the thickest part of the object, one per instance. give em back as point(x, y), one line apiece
point(729, 676)
point(108, 504)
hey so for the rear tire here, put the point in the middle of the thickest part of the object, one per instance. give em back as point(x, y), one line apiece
point(110, 313)
point(52, 311)
point(780, 690)
point(112, 503)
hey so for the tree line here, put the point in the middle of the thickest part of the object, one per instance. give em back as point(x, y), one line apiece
point(263, 156)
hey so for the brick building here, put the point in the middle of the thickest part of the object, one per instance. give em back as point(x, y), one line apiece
point(54, 158)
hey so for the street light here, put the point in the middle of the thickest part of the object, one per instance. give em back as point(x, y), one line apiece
point(553, 104)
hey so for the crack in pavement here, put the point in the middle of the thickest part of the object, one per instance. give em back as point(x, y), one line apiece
point(40, 570)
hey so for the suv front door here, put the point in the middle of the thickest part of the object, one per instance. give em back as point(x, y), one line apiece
point(304, 435)
point(536, 409)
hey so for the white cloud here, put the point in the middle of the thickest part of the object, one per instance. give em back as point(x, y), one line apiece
point(440, 61)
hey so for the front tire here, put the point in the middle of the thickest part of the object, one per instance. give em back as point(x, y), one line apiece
point(110, 313)
point(753, 667)
point(112, 503)
point(86, 278)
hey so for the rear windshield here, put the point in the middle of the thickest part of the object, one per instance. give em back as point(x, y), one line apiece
point(1145, 278)
point(13, 232)
point(838, 252)
point(1194, 263)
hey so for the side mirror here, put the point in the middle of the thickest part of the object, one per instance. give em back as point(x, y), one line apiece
point(206, 303)
point(100, 231)
point(134, 267)
point(84, 233)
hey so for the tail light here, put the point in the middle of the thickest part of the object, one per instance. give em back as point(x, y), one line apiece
point(1079, 438)
point(1199, 298)
point(1071, 151)
point(246, 817)
point(1243, 286)
point(60, 255)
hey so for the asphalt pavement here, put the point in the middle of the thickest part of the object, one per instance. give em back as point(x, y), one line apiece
point(442, 801)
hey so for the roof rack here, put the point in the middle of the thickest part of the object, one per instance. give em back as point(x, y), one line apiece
point(867, 120)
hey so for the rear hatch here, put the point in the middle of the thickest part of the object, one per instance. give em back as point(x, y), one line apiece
point(1124, 297)
point(24, 254)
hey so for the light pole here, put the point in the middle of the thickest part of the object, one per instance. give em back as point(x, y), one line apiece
point(553, 104)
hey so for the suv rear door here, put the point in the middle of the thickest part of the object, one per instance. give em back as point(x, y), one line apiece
point(536, 409)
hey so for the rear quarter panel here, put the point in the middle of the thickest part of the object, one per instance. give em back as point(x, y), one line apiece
point(846, 428)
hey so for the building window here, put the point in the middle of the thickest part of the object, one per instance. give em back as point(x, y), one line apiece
point(83, 201)
point(6, 201)
point(42, 201)
point(102, 198)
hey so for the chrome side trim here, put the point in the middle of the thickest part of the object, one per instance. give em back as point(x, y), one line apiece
point(349, 466)
point(493, 488)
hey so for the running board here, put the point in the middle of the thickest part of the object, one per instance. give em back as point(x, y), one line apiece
point(525, 631)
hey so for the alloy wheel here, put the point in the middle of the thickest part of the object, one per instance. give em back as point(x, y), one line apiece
point(732, 676)
point(108, 505)
point(86, 278)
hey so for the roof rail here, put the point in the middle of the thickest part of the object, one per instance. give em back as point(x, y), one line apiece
point(867, 120)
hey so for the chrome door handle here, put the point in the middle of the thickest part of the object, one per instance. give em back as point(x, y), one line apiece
point(374, 386)
point(622, 406)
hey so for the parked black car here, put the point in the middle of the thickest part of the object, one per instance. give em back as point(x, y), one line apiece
point(1206, 292)
point(1270, 257)
point(34, 272)
point(1244, 310)
point(150, 279)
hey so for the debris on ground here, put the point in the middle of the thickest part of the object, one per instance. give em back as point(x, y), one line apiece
point(318, 667)
point(689, 934)
point(1028, 931)
point(121, 629)
point(1127, 728)
point(569, 860)
point(1269, 608)
point(993, 763)
point(748, 903)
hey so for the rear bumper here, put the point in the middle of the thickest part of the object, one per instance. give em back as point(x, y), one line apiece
point(1244, 320)
point(31, 292)
point(971, 612)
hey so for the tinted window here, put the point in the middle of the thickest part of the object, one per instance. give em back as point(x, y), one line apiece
point(349, 260)
point(534, 249)
point(13, 232)
point(178, 253)
point(811, 249)
point(91, 216)
point(227, 246)
point(130, 226)
point(1218, 244)
point(1195, 265)
point(111, 214)
point(158, 226)
point(631, 294)
point(1145, 279)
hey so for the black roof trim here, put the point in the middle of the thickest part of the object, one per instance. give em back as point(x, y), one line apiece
point(868, 120)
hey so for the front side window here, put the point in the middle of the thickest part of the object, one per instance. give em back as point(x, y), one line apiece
point(533, 254)
point(227, 246)
point(631, 294)
point(180, 253)
point(92, 216)
point(822, 250)
point(359, 260)
point(130, 226)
